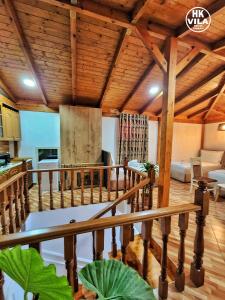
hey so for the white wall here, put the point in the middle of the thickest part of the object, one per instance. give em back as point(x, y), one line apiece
point(186, 141)
point(152, 141)
point(39, 129)
point(214, 139)
point(110, 128)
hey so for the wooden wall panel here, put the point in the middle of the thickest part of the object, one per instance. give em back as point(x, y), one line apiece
point(81, 131)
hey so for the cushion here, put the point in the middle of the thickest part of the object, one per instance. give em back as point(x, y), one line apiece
point(212, 156)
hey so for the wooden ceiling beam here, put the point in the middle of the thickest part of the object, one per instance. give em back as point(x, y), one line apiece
point(221, 93)
point(154, 50)
point(219, 45)
point(116, 59)
point(198, 101)
point(73, 42)
point(184, 62)
point(198, 112)
point(219, 112)
point(139, 10)
point(120, 18)
point(214, 9)
point(25, 46)
point(7, 90)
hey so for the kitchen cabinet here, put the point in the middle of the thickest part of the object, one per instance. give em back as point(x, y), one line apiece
point(9, 123)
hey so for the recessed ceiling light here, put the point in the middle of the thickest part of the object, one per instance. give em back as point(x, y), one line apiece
point(153, 90)
point(29, 82)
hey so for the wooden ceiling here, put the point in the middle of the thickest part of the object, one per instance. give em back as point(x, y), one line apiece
point(105, 54)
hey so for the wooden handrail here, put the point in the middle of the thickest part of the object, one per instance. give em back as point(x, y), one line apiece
point(75, 168)
point(143, 174)
point(50, 233)
point(11, 180)
point(125, 196)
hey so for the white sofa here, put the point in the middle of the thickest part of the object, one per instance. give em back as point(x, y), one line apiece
point(219, 175)
point(210, 160)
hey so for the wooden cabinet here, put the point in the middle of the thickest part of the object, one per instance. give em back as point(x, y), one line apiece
point(81, 134)
point(9, 124)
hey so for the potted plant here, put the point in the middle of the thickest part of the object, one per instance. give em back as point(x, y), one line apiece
point(26, 267)
point(111, 279)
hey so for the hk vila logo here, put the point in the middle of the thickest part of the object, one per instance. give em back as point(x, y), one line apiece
point(198, 19)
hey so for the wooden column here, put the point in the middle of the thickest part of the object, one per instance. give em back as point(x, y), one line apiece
point(166, 139)
point(158, 142)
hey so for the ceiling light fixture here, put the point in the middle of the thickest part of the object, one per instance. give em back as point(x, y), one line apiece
point(153, 90)
point(29, 82)
point(221, 127)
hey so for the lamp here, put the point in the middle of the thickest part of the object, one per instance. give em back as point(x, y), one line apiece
point(221, 127)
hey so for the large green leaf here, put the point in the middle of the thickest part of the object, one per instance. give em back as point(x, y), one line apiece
point(26, 267)
point(111, 279)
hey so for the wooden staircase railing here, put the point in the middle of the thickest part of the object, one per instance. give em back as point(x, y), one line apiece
point(70, 231)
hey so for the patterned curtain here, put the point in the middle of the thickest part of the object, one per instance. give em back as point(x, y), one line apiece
point(133, 139)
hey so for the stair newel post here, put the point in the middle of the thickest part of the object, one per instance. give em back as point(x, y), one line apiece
point(197, 273)
point(26, 190)
point(180, 276)
point(1, 286)
point(163, 283)
point(125, 165)
point(146, 232)
point(114, 245)
point(151, 175)
point(99, 244)
point(76, 284)
point(125, 236)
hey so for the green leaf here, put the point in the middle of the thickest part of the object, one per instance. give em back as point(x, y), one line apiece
point(111, 279)
point(26, 267)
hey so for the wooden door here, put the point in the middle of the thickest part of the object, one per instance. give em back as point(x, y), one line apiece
point(7, 123)
point(16, 125)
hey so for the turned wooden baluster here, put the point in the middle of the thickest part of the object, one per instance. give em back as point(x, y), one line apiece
point(109, 183)
point(12, 223)
point(100, 184)
point(117, 182)
point(114, 244)
point(22, 203)
point(76, 285)
point(82, 186)
point(163, 283)
point(92, 184)
point(146, 232)
point(125, 174)
point(26, 190)
point(197, 273)
point(72, 188)
point(40, 205)
point(133, 197)
point(99, 244)
point(180, 276)
point(151, 175)
point(50, 175)
point(125, 237)
point(36, 246)
point(137, 195)
point(17, 206)
point(1, 286)
point(4, 223)
point(62, 188)
point(129, 185)
point(69, 258)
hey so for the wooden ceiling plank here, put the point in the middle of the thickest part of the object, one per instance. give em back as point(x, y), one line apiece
point(219, 112)
point(221, 93)
point(73, 40)
point(25, 46)
point(7, 90)
point(219, 45)
point(149, 103)
point(139, 10)
point(198, 112)
point(198, 101)
point(120, 18)
point(159, 58)
point(116, 59)
point(214, 9)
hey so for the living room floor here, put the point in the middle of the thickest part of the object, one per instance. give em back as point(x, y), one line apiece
point(214, 256)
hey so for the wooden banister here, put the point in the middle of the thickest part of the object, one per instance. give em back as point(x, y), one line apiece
point(43, 234)
point(125, 196)
point(75, 169)
point(12, 180)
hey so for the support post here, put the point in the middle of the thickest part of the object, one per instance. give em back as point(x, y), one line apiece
point(26, 191)
point(169, 85)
